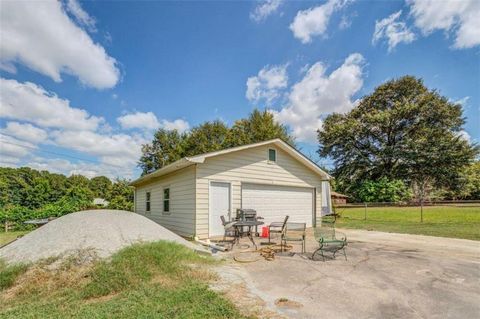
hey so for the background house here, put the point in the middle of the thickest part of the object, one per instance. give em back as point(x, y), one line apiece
point(338, 198)
point(189, 195)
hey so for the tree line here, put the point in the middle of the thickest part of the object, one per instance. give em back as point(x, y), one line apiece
point(26, 194)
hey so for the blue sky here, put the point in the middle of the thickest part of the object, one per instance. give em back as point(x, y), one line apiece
point(84, 84)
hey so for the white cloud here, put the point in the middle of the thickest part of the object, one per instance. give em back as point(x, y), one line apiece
point(8, 67)
point(462, 18)
point(463, 101)
point(464, 135)
point(26, 132)
point(314, 21)
point(6, 161)
point(30, 102)
point(264, 9)
point(70, 129)
point(82, 17)
point(395, 31)
point(178, 124)
point(139, 120)
point(14, 149)
point(345, 23)
point(66, 127)
point(319, 94)
point(95, 144)
point(40, 35)
point(119, 152)
point(149, 121)
point(267, 85)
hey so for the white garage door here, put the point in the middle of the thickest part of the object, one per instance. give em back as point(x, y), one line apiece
point(275, 202)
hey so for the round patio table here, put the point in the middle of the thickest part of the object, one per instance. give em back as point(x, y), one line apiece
point(249, 224)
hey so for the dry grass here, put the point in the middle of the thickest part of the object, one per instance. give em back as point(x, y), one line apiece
point(50, 275)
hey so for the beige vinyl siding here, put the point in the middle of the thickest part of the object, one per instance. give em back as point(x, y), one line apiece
point(181, 218)
point(249, 166)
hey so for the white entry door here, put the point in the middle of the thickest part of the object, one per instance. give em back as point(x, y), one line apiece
point(274, 202)
point(219, 203)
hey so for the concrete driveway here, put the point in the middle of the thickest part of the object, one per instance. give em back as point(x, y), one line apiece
point(386, 276)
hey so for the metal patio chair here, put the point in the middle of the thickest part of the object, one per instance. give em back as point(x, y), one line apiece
point(277, 227)
point(294, 232)
point(230, 231)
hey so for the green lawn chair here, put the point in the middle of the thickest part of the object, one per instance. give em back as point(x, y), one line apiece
point(329, 239)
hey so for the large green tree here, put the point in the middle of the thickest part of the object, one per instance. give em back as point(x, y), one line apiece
point(259, 126)
point(402, 131)
point(166, 147)
point(170, 146)
point(207, 137)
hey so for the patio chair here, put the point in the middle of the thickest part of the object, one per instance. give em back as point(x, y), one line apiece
point(294, 232)
point(276, 227)
point(329, 240)
point(229, 229)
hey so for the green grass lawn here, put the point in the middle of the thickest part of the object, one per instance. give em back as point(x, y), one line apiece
point(157, 280)
point(5, 238)
point(445, 221)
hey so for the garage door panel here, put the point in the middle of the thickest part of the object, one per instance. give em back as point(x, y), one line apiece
point(274, 202)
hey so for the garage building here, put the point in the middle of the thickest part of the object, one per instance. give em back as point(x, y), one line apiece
point(189, 195)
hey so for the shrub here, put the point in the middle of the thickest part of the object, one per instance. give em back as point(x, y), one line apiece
point(17, 215)
point(384, 190)
point(120, 202)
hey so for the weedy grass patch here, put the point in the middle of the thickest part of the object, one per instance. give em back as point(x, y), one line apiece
point(8, 274)
point(155, 280)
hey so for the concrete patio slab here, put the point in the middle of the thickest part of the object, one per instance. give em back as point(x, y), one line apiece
point(386, 276)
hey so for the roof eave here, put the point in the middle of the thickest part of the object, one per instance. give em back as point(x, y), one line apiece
point(181, 163)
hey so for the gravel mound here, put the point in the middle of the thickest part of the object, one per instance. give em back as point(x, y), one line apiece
point(101, 231)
